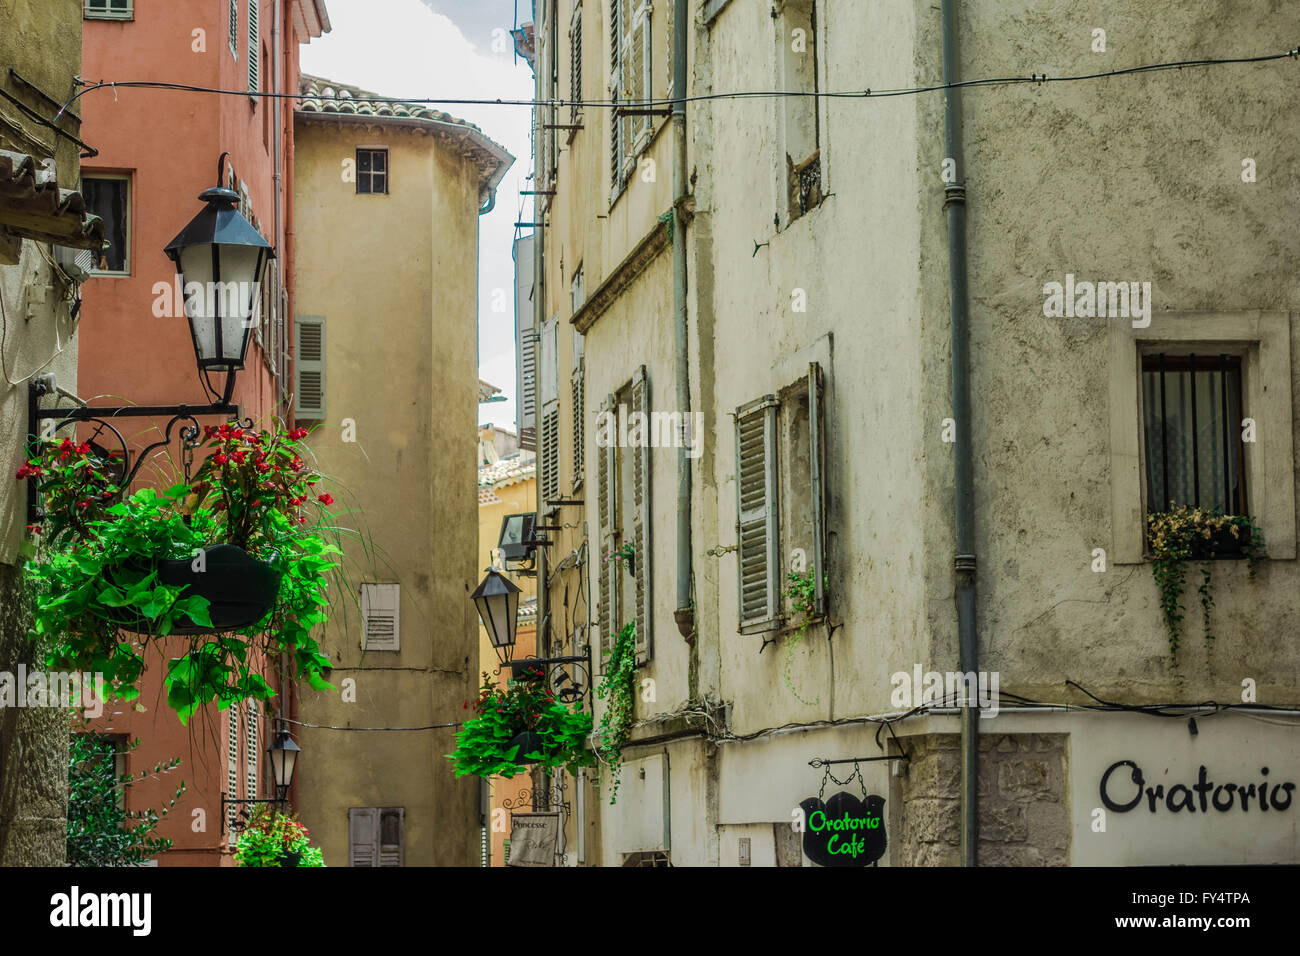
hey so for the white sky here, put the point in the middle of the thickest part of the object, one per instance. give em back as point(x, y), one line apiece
point(410, 48)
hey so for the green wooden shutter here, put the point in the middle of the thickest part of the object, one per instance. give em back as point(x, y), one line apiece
point(817, 465)
point(254, 48)
point(757, 516)
point(640, 56)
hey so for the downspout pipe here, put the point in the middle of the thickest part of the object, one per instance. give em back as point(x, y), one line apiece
point(539, 321)
point(954, 205)
point(684, 615)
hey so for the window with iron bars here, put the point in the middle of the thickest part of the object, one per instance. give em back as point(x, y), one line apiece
point(1192, 410)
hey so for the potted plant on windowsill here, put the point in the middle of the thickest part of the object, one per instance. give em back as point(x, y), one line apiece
point(522, 724)
point(625, 555)
point(235, 558)
point(1184, 534)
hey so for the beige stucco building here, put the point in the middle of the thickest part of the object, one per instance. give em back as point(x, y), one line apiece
point(780, 279)
point(42, 216)
point(387, 205)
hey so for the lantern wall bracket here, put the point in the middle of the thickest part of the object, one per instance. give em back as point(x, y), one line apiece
point(242, 818)
point(105, 414)
point(581, 663)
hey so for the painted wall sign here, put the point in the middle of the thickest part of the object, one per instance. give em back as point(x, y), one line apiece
point(844, 831)
point(1122, 792)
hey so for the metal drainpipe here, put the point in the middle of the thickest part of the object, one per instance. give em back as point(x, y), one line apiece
point(963, 469)
point(684, 615)
point(539, 319)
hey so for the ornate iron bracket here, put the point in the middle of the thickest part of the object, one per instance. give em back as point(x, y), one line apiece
point(568, 686)
point(102, 415)
point(242, 818)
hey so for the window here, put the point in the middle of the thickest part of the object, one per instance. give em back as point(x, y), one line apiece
point(108, 10)
point(376, 836)
point(1191, 427)
point(232, 20)
point(780, 507)
point(623, 480)
point(381, 617)
point(575, 63)
point(309, 368)
point(372, 171)
point(798, 118)
point(109, 198)
point(105, 759)
point(1259, 384)
point(254, 47)
point(630, 56)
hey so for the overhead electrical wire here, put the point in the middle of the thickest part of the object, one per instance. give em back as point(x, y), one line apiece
point(1036, 79)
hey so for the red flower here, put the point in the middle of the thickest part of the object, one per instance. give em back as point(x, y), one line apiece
point(239, 457)
point(263, 467)
point(238, 433)
point(325, 499)
point(302, 520)
point(34, 528)
point(83, 449)
point(220, 458)
point(298, 434)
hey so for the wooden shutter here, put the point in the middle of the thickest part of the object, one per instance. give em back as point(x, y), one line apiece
point(392, 836)
point(309, 366)
point(232, 764)
point(670, 35)
point(233, 23)
point(757, 515)
point(253, 739)
point(254, 49)
point(526, 343)
point(575, 62)
point(363, 836)
point(579, 423)
point(640, 55)
point(617, 125)
point(380, 617)
point(642, 482)
point(607, 513)
point(817, 483)
point(551, 453)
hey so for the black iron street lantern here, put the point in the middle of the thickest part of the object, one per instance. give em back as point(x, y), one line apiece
point(221, 260)
point(497, 600)
point(283, 755)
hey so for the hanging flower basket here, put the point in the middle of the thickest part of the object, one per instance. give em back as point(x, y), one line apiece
point(238, 556)
point(518, 726)
point(240, 591)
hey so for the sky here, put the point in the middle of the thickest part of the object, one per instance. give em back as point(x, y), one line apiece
point(454, 49)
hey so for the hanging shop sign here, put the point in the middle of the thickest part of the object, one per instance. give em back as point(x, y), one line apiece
point(534, 839)
point(844, 831)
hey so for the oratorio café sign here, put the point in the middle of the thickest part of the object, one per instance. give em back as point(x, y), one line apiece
point(844, 831)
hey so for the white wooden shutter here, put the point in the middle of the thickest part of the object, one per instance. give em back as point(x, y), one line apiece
point(817, 464)
point(617, 125)
point(380, 617)
point(253, 738)
point(639, 58)
point(309, 368)
point(579, 423)
point(232, 764)
point(642, 482)
point(607, 508)
point(525, 344)
point(363, 836)
point(254, 48)
point(233, 23)
point(392, 836)
point(757, 515)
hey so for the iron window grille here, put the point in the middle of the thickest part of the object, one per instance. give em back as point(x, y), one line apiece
point(1194, 451)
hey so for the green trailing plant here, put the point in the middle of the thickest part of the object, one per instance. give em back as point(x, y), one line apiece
point(802, 596)
point(618, 689)
point(100, 830)
point(1184, 534)
point(486, 744)
point(98, 557)
point(275, 838)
